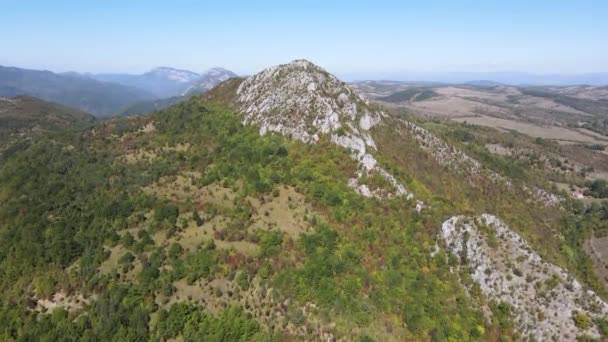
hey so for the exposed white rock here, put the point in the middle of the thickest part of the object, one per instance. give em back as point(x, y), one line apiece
point(420, 206)
point(8, 100)
point(546, 198)
point(543, 296)
point(303, 101)
point(368, 121)
point(362, 189)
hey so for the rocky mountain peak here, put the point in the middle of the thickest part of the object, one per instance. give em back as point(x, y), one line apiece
point(305, 102)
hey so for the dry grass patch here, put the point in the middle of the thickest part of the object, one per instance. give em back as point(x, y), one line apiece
point(70, 302)
point(112, 264)
point(150, 154)
point(285, 209)
point(264, 305)
point(192, 236)
point(286, 212)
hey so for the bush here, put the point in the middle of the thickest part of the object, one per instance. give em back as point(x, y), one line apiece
point(167, 212)
point(242, 279)
point(581, 320)
point(270, 243)
point(175, 250)
point(197, 218)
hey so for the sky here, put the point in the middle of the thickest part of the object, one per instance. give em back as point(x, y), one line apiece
point(345, 37)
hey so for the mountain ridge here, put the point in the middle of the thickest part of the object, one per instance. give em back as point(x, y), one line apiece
point(21, 116)
point(99, 98)
point(304, 102)
point(166, 82)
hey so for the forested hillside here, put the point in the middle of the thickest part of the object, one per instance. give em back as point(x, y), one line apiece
point(22, 116)
point(189, 224)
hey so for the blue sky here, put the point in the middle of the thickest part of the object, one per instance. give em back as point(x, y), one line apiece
point(348, 37)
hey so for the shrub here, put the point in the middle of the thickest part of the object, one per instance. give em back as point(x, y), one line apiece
point(242, 280)
point(581, 320)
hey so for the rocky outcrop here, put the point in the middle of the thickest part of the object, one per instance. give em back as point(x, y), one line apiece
point(304, 102)
point(545, 299)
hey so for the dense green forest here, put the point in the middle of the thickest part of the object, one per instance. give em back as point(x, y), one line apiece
point(69, 200)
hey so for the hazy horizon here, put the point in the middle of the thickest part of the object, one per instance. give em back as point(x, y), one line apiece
point(358, 39)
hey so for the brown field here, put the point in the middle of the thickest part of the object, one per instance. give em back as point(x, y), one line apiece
point(545, 132)
point(505, 108)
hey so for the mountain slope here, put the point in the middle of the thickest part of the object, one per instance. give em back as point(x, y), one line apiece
point(99, 98)
point(303, 102)
point(146, 107)
point(544, 298)
point(20, 116)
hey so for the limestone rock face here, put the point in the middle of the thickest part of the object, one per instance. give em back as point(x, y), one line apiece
point(305, 102)
point(544, 298)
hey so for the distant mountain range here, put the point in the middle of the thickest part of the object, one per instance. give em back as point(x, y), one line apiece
point(162, 82)
point(107, 95)
point(510, 78)
point(208, 80)
point(89, 95)
point(111, 94)
point(165, 82)
point(199, 85)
